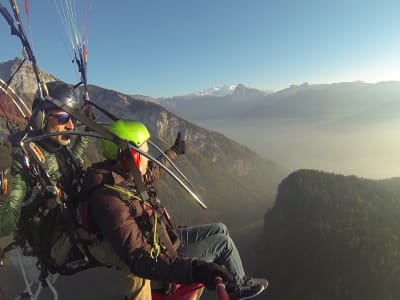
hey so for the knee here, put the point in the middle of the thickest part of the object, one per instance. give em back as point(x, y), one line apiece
point(222, 229)
point(226, 242)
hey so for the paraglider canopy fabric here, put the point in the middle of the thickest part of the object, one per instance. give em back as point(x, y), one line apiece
point(12, 107)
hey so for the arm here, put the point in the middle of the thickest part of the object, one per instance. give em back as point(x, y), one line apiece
point(154, 171)
point(79, 147)
point(10, 209)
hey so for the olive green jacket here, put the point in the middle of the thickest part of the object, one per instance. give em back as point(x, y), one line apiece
point(24, 186)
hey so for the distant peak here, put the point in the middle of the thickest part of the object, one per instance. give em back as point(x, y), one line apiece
point(217, 91)
point(240, 87)
point(242, 92)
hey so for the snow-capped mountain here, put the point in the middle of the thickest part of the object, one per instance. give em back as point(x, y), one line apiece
point(218, 91)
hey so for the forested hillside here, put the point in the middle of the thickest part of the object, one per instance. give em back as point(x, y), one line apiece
point(333, 237)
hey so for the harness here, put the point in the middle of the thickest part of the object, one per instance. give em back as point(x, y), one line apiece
point(155, 223)
point(55, 210)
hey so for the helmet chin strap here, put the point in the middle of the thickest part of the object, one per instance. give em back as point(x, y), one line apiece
point(129, 165)
point(127, 157)
point(136, 158)
point(126, 161)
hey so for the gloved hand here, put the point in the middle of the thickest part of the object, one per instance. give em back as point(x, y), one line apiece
point(205, 273)
point(180, 146)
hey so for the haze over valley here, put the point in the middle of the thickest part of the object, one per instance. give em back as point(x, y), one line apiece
point(345, 128)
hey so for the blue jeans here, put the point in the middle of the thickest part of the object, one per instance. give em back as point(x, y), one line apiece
point(212, 243)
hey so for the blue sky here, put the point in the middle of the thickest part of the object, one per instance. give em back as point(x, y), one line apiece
point(175, 47)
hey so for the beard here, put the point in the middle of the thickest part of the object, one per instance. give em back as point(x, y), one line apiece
point(64, 139)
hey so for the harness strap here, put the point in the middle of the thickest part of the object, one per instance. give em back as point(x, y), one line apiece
point(59, 211)
point(165, 237)
point(158, 233)
point(156, 249)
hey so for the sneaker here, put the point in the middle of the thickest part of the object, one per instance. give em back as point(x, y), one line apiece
point(250, 288)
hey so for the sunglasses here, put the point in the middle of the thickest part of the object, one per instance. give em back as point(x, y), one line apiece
point(63, 118)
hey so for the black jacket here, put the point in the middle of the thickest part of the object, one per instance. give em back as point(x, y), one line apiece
point(116, 216)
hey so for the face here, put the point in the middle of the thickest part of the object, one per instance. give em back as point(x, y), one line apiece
point(144, 161)
point(59, 121)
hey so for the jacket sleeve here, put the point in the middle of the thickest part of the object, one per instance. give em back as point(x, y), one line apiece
point(79, 147)
point(155, 171)
point(114, 218)
point(10, 209)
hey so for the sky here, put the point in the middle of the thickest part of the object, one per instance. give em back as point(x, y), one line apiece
point(163, 48)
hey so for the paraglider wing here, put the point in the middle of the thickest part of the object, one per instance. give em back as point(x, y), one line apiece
point(12, 107)
point(9, 19)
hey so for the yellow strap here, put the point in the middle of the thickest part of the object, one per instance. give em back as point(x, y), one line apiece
point(156, 249)
point(124, 193)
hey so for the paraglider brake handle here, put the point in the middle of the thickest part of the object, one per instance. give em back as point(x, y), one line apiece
point(221, 291)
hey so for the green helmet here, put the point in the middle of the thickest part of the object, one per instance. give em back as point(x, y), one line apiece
point(131, 131)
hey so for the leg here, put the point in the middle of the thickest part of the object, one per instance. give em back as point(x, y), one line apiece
point(212, 243)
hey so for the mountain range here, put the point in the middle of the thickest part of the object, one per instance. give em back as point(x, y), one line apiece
point(217, 91)
point(348, 128)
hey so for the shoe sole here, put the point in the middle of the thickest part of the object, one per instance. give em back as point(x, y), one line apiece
point(255, 295)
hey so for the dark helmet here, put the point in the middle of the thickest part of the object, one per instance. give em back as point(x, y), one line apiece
point(57, 90)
